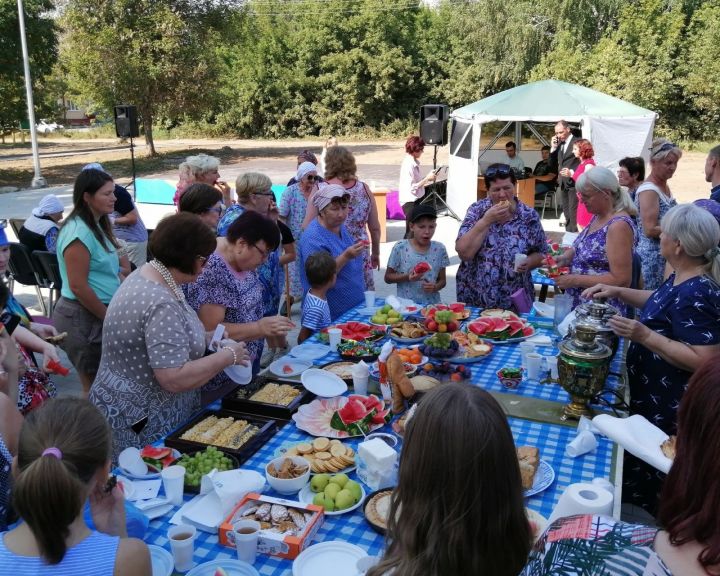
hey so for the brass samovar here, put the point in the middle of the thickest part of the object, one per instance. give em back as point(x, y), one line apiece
point(583, 367)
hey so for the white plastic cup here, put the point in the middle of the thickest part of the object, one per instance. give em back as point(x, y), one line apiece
point(552, 363)
point(563, 307)
point(583, 443)
point(335, 335)
point(131, 460)
point(370, 298)
point(246, 534)
point(519, 260)
point(534, 364)
point(182, 545)
point(360, 385)
point(525, 349)
point(173, 479)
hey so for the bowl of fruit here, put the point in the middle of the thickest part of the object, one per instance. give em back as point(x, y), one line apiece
point(445, 372)
point(386, 316)
point(199, 463)
point(510, 378)
point(440, 345)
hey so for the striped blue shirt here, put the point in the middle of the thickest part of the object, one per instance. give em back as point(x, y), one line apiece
point(315, 313)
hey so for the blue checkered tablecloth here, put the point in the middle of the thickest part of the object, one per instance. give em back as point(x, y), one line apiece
point(551, 439)
point(484, 373)
point(538, 278)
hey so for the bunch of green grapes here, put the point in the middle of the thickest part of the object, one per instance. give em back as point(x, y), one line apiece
point(201, 463)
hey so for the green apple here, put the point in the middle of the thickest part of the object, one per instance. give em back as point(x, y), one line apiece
point(386, 308)
point(339, 479)
point(394, 313)
point(328, 504)
point(318, 483)
point(344, 500)
point(354, 489)
point(331, 490)
point(380, 318)
point(393, 320)
point(319, 499)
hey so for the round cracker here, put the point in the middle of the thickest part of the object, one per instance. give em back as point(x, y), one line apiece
point(337, 450)
point(335, 442)
point(321, 444)
point(304, 448)
point(293, 451)
point(323, 455)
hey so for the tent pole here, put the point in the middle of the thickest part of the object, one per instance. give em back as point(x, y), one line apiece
point(494, 140)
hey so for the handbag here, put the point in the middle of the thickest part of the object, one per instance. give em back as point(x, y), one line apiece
point(521, 301)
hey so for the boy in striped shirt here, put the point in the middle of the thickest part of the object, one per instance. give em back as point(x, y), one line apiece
point(321, 272)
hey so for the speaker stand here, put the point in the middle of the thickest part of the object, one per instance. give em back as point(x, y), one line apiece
point(436, 199)
point(132, 161)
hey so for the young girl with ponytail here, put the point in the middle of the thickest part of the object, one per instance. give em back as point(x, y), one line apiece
point(63, 460)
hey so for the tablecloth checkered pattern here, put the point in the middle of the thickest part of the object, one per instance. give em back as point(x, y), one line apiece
point(352, 527)
point(484, 373)
point(538, 278)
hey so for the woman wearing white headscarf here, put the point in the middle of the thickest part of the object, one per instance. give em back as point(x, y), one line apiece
point(327, 232)
point(39, 232)
point(292, 208)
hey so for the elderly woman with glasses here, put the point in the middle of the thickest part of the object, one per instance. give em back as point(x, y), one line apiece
point(204, 169)
point(205, 201)
point(495, 229)
point(229, 291)
point(292, 208)
point(153, 360)
point(328, 232)
point(654, 199)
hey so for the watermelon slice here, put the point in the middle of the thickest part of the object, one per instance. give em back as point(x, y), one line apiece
point(422, 267)
point(353, 411)
point(380, 417)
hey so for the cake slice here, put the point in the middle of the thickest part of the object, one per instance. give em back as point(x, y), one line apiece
point(529, 460)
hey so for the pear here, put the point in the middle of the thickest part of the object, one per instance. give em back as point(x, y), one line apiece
point(339, 479)
point(331, 490)
point(319, 499)
point(318, 483)
point(354, 489)
point(386, 308)
point(344, 500)
point(329, 505)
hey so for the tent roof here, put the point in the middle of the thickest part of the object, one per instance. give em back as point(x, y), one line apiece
point(549, 101)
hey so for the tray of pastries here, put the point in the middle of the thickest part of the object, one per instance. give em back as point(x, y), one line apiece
point(268, 396)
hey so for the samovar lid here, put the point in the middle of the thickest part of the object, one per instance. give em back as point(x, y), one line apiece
point(584, 346)
point(595, 313)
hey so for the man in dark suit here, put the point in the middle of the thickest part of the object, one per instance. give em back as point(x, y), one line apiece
point(561, 156)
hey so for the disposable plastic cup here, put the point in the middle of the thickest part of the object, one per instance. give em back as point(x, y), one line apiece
point(563, 306)
point(525, 349)
point(534, 363)
point(360, 385)
point(182, 546)
point(552, 363)
point(246, 534)
point(335, 335)
point(370, 298)
point(519, 259)
point(173, 479)
point(583, 443)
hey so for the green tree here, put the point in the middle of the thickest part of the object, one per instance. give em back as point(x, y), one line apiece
point(41, 36)
point(157, 54)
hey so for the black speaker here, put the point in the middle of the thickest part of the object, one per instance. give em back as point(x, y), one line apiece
point(433, 124)
point(126, 124)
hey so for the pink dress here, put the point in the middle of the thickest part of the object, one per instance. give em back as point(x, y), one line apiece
point(583, 216)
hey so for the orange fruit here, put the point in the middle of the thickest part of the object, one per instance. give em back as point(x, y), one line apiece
point(416, 358)
point(456, 377)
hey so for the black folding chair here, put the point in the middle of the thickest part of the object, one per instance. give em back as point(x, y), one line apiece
point(16, 224)
point(47, 262)
point(23, 270)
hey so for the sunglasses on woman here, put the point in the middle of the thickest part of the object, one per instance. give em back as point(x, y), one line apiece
point(501, 170)
point(312, 178)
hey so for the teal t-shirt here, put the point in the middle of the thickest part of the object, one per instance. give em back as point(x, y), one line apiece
point(104, 265)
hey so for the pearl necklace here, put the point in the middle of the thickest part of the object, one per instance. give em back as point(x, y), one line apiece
point(169, 280)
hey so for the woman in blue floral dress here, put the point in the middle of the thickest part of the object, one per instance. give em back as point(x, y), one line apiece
point(654, 199)
point(603, 252)
point(678, 328)
point(494, 231)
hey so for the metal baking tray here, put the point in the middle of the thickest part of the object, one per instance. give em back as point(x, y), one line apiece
point(239, 399)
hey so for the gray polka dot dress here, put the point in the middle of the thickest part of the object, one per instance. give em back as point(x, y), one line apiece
point(146, 328)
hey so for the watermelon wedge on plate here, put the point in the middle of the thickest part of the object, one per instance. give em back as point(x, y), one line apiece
point(501, 328)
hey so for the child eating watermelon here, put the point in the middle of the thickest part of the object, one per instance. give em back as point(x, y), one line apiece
point(417, 265)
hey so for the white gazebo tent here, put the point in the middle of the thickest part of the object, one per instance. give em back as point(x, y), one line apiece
point(615, 127)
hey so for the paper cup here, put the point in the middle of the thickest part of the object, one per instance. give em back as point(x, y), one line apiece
point(519, 259)
point(583, 443)
point(552, 363)
point(130, 460)
point(173, 479)
point(370, 298)
point(525, 349)
point(182, 545)
point(246, 533)
point(360, 385)
point(534, 364)
point(335, 335)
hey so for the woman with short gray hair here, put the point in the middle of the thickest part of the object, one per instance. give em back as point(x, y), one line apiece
point(678, 329)
point(604, 249)
point(654, 199)
point(201, 168)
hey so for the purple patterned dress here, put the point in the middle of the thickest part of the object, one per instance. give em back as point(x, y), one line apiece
point(591, 257)
point(241, 293)
point(489, 279)
point(356, 224)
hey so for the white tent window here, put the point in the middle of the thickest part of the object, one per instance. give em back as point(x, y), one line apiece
point(461, 139)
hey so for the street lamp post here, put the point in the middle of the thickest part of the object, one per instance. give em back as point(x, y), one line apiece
point(38, 181)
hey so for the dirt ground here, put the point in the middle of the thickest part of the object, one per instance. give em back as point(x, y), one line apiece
point(61, 159)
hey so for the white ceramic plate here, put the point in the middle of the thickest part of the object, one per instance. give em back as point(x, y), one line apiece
point(162, 561)
point(306, 496)
point(310, 351)
point(323, 383)
point(232, 567)
point(543, 478)
point(296, 366)
point(368, 310)
point(334, 558)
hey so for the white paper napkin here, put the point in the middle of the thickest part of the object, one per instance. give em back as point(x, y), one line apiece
point(145, 489)
point(540, 340)
point(638, 436)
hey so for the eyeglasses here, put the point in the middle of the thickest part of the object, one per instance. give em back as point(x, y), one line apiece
point(312, 178)
point(501, 171)
point(265, 255)
point(219, 210)
point(664, 148)
point(268, 193)
point(203, 260)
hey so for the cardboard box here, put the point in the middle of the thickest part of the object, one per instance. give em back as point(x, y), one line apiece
point(274, 543)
